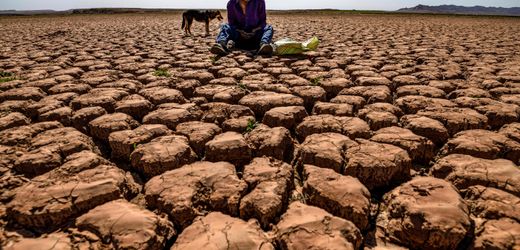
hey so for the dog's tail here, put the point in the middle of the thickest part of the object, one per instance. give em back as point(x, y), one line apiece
point(183, 20)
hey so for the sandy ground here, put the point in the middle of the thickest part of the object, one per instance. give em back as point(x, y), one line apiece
point(400, 131)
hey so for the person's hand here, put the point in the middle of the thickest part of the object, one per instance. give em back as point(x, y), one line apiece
point(256, 30)
point(246, 35)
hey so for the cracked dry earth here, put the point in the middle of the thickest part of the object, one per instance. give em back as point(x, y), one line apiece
point(399, 132)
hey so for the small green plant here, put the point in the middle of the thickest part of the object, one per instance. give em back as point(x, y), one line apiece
point(299, 196)
point(6, 77)
point(251, 125)
point(316, 81)
point(214, 59)
point(6, 74)
point(243, 86)
point(135, 147)
point(161, 72)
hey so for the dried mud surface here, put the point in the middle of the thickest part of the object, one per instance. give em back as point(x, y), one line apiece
point(401, 131)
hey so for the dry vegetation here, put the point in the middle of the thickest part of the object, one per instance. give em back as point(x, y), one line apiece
point(400, 131)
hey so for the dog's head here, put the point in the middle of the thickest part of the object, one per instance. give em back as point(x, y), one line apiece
point(216, 14)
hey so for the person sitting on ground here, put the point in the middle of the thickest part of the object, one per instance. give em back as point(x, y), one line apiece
point(246, 29)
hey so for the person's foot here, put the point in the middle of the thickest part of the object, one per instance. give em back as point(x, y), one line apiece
point(219, 49)
point(230, 45)
point(265, 49)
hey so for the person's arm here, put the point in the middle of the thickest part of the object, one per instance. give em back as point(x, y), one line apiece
point(262, 15)
point(232, 18)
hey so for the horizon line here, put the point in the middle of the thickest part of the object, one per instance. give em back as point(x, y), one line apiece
point(297, 9)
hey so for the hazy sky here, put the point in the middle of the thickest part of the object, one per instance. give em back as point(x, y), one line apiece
point(271, 4)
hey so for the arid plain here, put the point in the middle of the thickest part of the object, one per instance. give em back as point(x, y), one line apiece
point(400, 131)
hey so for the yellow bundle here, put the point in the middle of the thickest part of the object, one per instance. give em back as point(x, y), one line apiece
point(288, 46)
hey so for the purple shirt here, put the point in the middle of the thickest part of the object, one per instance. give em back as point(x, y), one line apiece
point(255, 16)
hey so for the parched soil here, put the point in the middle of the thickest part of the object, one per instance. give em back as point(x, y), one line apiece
point(400, 131)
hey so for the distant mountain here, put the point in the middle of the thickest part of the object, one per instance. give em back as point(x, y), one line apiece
point(85, 11)
point(455, 9)
point(27, 12)
point(441, 9)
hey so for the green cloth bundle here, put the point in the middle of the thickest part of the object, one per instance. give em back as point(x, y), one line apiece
point(288, 46)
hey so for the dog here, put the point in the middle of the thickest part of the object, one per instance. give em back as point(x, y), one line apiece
point(199, 16)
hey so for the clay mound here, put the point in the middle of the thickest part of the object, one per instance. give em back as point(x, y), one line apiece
point(172, 114)
point(103, 126)
point(74, 164)
point(240, 125)
point(512, 131)
point(123, 143)
point(218, 112)
point(483, 144)
point(371, 94)
point(47, 203)
point(58, 241)
point(270, 181)
point(499, 114)
point(81, 118)
point(427, 127)
point(12, 120)
point(125, 225)
point(262, 101)
point(162, 154)
point(26, 93)
point(497, 234)
point(160, 95)
point(457, 119)
point(325, 150)
point(419, 148)
point(198, 133)
point(274, 142)
point(135, 106)
point(219, 93)
point(196, 189)
point(22, 135)
point(304, 227)
point(48, 150)
point(352, 127)
point(105, 98)
point(337, 109)
point(425, 212)
point(340, 195)
point(220, 231)
point(464, 171)
point(412, 104)
point(421, 90)
point(309, 94)
point(378, 165)
point(287, 117)
point(491, 203)
point(229, 146)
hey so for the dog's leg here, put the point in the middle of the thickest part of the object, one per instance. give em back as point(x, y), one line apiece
point(190, 22)
point(184, 26)
point(207, 27)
